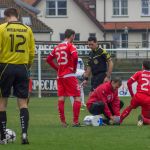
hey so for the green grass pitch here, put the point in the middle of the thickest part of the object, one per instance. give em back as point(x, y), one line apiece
point(45, 132)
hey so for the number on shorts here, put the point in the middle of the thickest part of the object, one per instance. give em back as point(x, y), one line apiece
point(62, 58)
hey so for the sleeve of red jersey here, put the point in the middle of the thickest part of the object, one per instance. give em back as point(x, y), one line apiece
point(74, 54)
point(102, 97)
point(49, 60)
point(131, 81)
point(129, 84)
point(116, 105)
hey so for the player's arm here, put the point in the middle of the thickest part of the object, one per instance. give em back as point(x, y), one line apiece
point(131, 81)
point(102, 96)
point(109, 65)
point(49, 60)
point(116, 105)
point(75, 60)
point(87, 72)
point(31, 48)
point(74, 54)
point(129, 84)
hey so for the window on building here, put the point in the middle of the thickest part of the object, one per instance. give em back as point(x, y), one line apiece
point(77, 37)
point(92, 34)
point(56, 7)
point(62, 36)
point(145, 7)
point(116, 39)
point(124, 40)
point(145, 40)
point(26, 20)
point(2, 12)
point(120, 7)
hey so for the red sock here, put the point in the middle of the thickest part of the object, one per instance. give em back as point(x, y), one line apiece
point(146, 120)
point(125, 113)
point(61, 111)
point(76, 111)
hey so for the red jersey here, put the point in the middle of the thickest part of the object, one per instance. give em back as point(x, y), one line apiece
point(66, 55)
point(143, 80)
point(105, 93)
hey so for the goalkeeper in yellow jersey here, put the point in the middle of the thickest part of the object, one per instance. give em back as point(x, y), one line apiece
point(17, 49)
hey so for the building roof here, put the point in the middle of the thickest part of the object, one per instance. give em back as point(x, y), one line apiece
point(32, 2)
point(89, 7)
point(132, 26)
point(37, 26)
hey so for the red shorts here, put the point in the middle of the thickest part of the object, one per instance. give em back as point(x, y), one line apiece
point(142, 100)
point(68, 87)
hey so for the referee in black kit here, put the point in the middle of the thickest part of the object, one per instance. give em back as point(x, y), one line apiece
point(99, 64)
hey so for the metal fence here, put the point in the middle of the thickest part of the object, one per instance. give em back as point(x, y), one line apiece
point(44, 78)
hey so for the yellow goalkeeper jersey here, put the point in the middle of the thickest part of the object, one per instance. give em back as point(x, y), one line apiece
point(17, 44)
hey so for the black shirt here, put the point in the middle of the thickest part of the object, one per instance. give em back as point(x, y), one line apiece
point(98, 61)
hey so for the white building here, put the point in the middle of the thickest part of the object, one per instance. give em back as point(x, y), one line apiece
point(124, 21)
point(62, 14)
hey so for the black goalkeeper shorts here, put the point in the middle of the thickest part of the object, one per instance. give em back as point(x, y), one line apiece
point(16, 77)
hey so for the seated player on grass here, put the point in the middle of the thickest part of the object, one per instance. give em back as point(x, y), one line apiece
point(104, 100)
point(142, 96)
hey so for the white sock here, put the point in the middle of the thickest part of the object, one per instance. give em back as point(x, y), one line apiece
point(72, 100)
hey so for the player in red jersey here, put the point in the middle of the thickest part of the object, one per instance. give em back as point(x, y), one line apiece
point(104, 99)
point(142, 96)
point(67, 57)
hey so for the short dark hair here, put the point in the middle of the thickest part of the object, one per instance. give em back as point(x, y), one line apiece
point(69, 33)
point(11, 12)
point(117, 79)
point(146, 64)
point(91, 38)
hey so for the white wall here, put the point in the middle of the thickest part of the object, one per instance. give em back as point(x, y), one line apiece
point(134, 12)
point(42, 36)
point(134, 39)
point(76, 19)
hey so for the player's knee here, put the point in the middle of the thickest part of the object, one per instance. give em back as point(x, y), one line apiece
point(77, 99)
point(3, 104)
point(22, 103)
point(61, 98)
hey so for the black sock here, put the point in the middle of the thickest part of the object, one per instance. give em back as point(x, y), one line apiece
point(3, 121)
point(24, 118)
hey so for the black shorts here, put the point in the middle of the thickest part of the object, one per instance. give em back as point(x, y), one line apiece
point(15, 76)
point(96, 80)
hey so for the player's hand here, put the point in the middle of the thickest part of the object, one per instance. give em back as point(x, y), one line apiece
point(84, 83)
point(106, 79)
point(115, 120)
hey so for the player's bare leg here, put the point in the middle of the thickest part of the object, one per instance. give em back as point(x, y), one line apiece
point(3, 120)
point(24, 119)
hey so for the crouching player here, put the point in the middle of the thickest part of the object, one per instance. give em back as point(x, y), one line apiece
point(104, 100)
point(79, 74)
point(142, 96)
